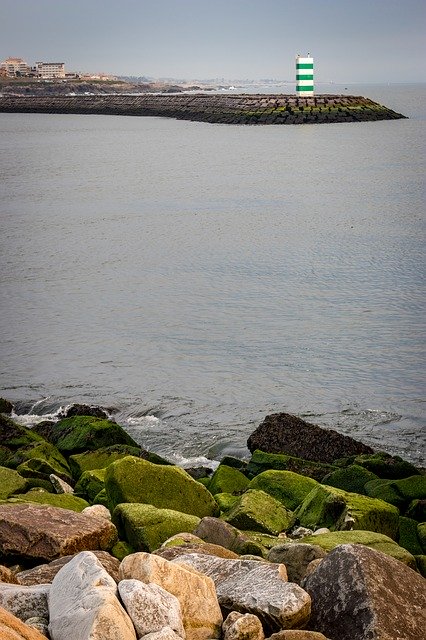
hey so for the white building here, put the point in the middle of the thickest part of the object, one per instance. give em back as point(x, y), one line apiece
point(15, 67)
point(50, 69)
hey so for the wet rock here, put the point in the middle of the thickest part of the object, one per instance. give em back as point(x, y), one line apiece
point(5, 406)
point(296, 558)
point(285, 433)
point(242, 626)
point(83, 603)
point(14, 436)
point(262, 461)
point(41, 532)
point(201, 615)
point(44, 573)
point(150, 607)
point(84, 410)
point(259, 588)
point(360, 593)
point(11, 628)
point(23, 601)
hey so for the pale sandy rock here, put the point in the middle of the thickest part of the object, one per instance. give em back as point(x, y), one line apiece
point(242, 626)
point(44, 573)
point(319, 532)
point(296, 556)
point(25, 602)
point(201, 615)
point(300, 532)
point(166, 633)
point(97, 511)
point(60, 485)
point(11, 628)
point(254, 587)
point(296, 634)
point(83, 603)
point(151, 607)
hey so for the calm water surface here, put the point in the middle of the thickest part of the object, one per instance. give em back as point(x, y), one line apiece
point(196, 277)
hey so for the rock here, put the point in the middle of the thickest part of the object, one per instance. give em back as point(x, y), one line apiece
point(90, 484)
point(297, 634)
point(6, 575)
point(352, 478)
point(25, 602)
point(386, 466)
point(83, 603)
point(201, 615)
point(200, 473)
point(59, 485)
point(417, 510)
point(11, 482)
point(39, 623)
point(421, 533)
point(100, 458)
point(225, 501)
point(145, 527)
point(150, 607)
point(235, 463)
point(259, 588)
point(330, 507)
point(11, 628)
point(370, 539)
point(165, 487)
point(40, 532)
point(360, 593)
point(170, 553)
point(61, 500)
point(82, 433)
point(284, 433)
point(300, 532)
point(122, 549)
point(44, 573)
point(408, 537)
point(239, 626)
point(13, 435)
point(227, 480)
point(296, 558)
point(42, 458)
point(216, 531)
point(97, 511)
point(5, 406)
point(398, 492)
point(258, 511)
point(84, 410)
point(312, 566)
point(166, 633)
point(285, 486)
point(421, 564)
point(262, 461)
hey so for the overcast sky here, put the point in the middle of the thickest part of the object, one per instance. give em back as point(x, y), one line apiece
point(351, 40)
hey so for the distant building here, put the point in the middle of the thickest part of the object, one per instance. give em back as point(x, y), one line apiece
point(304, 76)
point(49, 70)
point(15, 67)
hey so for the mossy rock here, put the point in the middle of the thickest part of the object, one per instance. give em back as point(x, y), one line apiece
point(122, 549)
point(204, 481)
point(42, 451)
point(5, 455)
point(264, 539)
point(11, 482)
point(5, 406)
point(227, 480)
point(145, 527)
point(83, 433)
point(286, 486)
point(421, 564)
point(90, 484)
point(258, 511)
point(408, 537)
point(235, 463)
point(63, 500)
point(421, 533)
point(225, 501)
point(352, 478)
point(37, 472)
point(13, 435)
point(417, 510)
point(330, 507)
point(103, 457)
point(370, 539)
point(386, 466)
point(398, 492)
point(165, 487)
point(262, 461)
point(101, 498)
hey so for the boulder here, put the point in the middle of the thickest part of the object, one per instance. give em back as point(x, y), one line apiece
point(146, 528)
point(40, 532)
point(398, 492)
point(370, 539)
point(170, 553)
point(84, 410)
point(227, 480)
point(7, 575)
point(61, 500)
point(83, 603)
point(421, 533)
point(297, 634)
point(166, 633)
point(263, 461)
point(43, 457)
point(296, 556)
point(44, 573)
point(163, 486)
point(258, 511)
point(407, 536)
point(285, 433)
point(334, 508)
point(122, 549)
point(360, 593)
point(13, 435)
point(39, 623)
point(417, 510)
point(201, 615)
point(352, 478)
point(259, 588)
point(11, 628)
point(11, 482)
point(218, 532)
point(285, 486)
point(59, 485)
point(97, 511)
point(25, 602)
point(225, 501)
point(386, 466)
point(90, 484)
point(150, 607)
point(242, 626)
point(5, 406)
point(100, 458)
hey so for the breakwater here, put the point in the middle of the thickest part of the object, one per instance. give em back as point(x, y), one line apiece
point(214, 108)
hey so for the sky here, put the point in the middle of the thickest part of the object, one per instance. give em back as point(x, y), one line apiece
point(351, 40)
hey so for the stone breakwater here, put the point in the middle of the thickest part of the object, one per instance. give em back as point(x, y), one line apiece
point(224, 109)
point(103, 540)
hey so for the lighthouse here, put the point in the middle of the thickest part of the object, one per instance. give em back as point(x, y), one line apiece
point(304, 75)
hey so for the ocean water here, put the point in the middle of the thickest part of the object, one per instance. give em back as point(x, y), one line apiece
point(194, 277)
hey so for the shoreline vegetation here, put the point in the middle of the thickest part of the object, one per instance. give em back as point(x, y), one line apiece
point(102, 539)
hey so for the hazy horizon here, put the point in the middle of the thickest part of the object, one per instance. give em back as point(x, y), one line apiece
point(363, 42)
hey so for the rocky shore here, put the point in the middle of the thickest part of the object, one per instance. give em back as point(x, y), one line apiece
point(213, 108)
point(315, 537)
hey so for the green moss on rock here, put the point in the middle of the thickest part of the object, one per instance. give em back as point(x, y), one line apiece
point(258, 511)
point(227, 480)
point(13, 435)
point(352, 478)
point(417, 510)
point(42, 451)
point(145, 527)
point(408, 537)
point(101, 498)
point(421, 564)
point(63, 500)
point(262, 461)
point(225, 501)
point(398, 492)
point(5, 406)
point(386, 466)
point(105, 456)
point(286, 486)
point(165, 487)
point(11, 482)
point(421, 533)
point(122, 549)
point(90, 484)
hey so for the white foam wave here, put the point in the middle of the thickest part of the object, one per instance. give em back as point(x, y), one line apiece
point(142, 421)
point(196, 461)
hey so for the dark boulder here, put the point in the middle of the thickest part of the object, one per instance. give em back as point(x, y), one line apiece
point(284, 433)
point(5, 406)
point(84, 410)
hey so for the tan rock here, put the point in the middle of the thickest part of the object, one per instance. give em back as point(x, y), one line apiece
point(11, 628)
point(169, 553)
point(97, 511)
point(40, 531)
point(44, 573)
point(25, 602)
point(239, 626)
point(296, 634)
point(6, 575)
point(166, 633)
point(296, 556)
point(201, 615)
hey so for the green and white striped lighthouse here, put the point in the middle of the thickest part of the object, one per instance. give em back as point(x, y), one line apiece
point(304, 76)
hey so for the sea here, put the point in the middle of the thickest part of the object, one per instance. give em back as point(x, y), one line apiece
point(193, 278)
